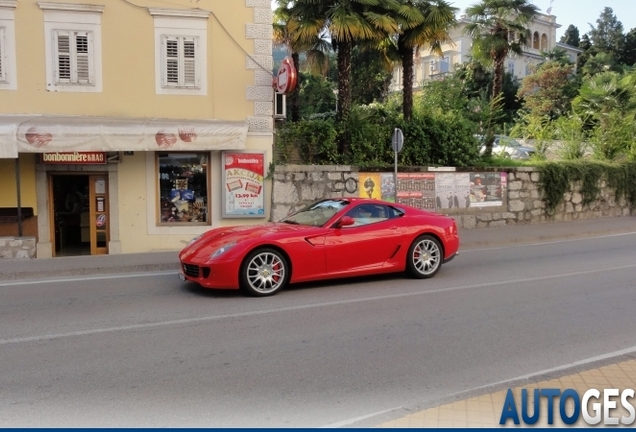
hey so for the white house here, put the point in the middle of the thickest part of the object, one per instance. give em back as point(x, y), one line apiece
point(431, 66)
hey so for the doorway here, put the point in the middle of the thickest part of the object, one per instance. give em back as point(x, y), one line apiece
point(80, 214)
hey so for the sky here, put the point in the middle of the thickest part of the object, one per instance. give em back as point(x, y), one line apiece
point(577, 12)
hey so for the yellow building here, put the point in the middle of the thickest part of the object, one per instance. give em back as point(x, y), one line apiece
point(137, 124)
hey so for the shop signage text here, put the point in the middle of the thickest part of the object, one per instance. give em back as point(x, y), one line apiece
point(74, 158)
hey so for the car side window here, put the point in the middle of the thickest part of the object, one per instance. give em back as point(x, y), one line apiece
point(395, 212)
point(366, 214)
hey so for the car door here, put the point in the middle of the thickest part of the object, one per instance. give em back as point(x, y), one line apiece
point(367, 244)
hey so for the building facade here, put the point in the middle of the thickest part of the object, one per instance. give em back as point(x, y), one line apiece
point(133, 126)
point(431, 66)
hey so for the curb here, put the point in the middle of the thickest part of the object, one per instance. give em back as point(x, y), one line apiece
point(106, 270)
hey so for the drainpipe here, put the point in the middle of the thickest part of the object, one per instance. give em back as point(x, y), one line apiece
point(17, 185)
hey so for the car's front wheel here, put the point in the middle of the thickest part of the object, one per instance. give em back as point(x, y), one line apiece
point(264, 272)
point(424, 257)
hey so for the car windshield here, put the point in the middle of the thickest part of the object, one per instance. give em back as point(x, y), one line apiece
point(316, 214)
point(507, 142)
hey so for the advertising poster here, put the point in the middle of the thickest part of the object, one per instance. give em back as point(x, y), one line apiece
point(452, 190)
point(416, 190)
point(370, 185)
point(486, 189)
point(388, 187)
point(243, 187)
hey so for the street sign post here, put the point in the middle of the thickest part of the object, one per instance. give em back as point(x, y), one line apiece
point(397, 142)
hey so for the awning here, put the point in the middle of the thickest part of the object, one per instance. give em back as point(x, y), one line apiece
point(52, 133)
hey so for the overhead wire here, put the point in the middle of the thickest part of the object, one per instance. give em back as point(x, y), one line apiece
point(220, 24)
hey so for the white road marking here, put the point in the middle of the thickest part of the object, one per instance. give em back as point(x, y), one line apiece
point(303, 307)
point(521, 244)
point(90, 278)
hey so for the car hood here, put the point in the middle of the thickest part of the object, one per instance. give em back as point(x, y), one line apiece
point(218, 237)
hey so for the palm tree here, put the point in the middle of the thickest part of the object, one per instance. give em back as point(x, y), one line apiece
point(498, 28)
point(314, 49)
point(346, 22)
point(422, 23)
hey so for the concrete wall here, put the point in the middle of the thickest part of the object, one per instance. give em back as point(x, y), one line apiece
point(298, 185)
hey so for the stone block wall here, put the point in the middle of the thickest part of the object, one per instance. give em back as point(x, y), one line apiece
point(17, 247)
point(297, 185)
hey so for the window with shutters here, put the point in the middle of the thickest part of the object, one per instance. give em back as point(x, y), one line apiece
point(180, 51)
point(73, 58)
point(8, 77)
point(3, 77)
point(179, 62)
point(72, 47)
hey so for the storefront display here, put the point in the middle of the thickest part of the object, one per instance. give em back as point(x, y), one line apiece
point(183, 190)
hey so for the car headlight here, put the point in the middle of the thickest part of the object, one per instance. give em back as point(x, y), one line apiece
point(193, 240)
point(220, 251)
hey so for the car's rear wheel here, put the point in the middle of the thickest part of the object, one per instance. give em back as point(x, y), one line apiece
point(264, 272)
point(424, 257)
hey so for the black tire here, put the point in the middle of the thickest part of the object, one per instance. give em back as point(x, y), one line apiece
point(425, 257)
point(264, 272)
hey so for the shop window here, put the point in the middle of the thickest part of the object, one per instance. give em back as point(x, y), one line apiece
point(183, 188)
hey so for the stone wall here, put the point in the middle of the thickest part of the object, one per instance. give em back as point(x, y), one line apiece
point(17, 247)
point(298, 185)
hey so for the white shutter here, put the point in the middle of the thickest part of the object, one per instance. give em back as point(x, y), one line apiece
point(82, 58)
point(180, 61)
point(189, 63)
point(2, 61)
point(171, 55)
point(73, 57)
point(62, 44)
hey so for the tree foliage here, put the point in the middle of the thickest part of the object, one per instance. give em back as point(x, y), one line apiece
point(548, 92)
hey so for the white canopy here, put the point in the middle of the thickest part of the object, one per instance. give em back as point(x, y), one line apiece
point(56, 133)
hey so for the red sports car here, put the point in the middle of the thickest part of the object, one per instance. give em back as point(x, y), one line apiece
point(331, 238)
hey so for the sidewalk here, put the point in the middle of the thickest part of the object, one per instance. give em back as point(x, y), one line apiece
point(19, 269)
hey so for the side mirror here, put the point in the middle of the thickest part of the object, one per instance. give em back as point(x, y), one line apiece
point(345, 221)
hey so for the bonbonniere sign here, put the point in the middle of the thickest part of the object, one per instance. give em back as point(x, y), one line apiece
point(74, 158)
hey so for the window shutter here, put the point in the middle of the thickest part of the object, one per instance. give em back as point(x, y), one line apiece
point(82, 56)
point(189, 63)
point(62, 57)
point(2, 65)
point(172, 61)
point(180, 61)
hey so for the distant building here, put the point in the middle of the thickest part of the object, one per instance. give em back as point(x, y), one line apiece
point(431, 66)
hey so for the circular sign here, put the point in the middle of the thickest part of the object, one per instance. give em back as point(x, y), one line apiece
point(286, 78)
point(100, 221)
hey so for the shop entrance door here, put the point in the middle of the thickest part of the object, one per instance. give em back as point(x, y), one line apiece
point(79, 214)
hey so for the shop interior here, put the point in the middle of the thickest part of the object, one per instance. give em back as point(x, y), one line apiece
point(71, 214)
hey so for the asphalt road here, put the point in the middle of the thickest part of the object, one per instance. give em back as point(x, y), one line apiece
point(149, 351)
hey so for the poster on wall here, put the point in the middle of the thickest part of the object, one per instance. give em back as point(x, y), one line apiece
point(243, 185)
point(487, 189)
point(416, 190)
point(370, 185)
point(452, 190)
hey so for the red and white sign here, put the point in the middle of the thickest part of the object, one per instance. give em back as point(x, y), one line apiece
point(285, 81)
point(100, 221)
point(243, 176)
point(83, 158)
